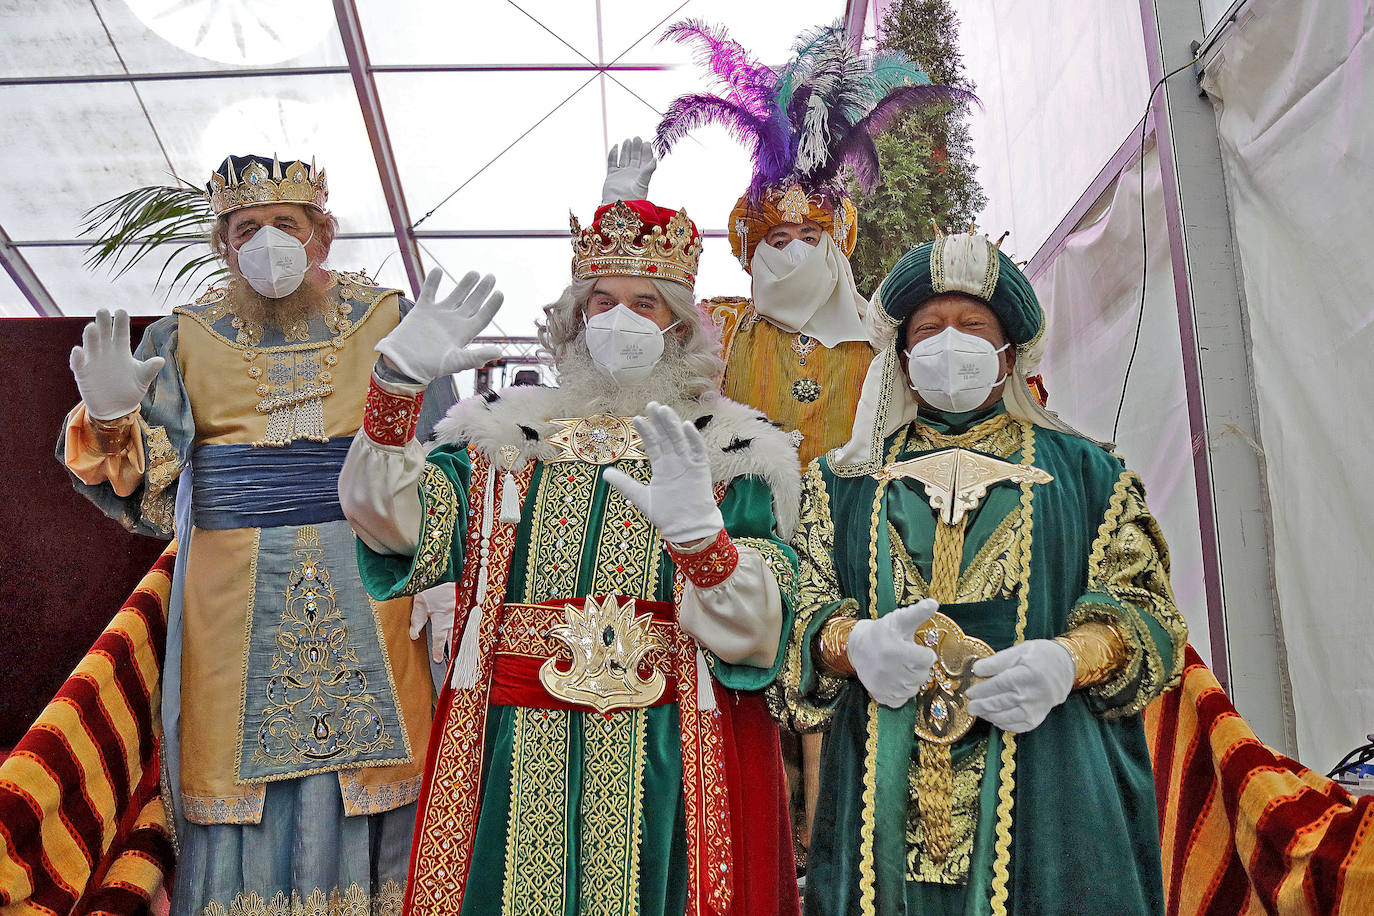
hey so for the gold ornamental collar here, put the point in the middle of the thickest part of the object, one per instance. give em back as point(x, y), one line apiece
point(597, 439)
point(956, 479)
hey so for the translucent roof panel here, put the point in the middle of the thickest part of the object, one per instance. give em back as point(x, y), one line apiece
point(419, 32)
point(13, 304)
point(632, 28)
point(508, 139)
point(157, 36)
point(73, 37)
point(447, 128)
point(530, 272)
point(380, 259)
point(533, 272)
point(1213, 11)
point(54, 38)
point(95, 144)
point(79, 290)
point(296, 117)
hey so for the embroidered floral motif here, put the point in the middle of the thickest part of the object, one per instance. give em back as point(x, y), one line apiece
point(1129, 568)
point(319, 707)
point(240, 809)
point(158, 505)
point(710, 567)
point(628, 548)
point(611, 812)
point(359, 798)
point(968, 779)
point(438, 519)
point(803, 705)
point(536, 877)
point(351, 901)
point(389, 419)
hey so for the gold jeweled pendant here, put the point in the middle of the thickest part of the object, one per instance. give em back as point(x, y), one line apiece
point(941, 707)
point(598, 439)
point(607, 642)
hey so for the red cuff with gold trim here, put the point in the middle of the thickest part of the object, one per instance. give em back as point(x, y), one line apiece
point(389, 419)
point(709, 567)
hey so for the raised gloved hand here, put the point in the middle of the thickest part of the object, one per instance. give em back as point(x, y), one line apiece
point(889, 662)
point(434, 606)
point(628, 170)
point(678, 498)
point(432, 339)
point(1024, 682)
point(111, 381)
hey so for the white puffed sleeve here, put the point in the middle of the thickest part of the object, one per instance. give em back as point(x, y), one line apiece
point(739, 620)
point(379, 492)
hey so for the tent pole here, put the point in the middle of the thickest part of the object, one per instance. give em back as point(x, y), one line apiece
point(1232, 489)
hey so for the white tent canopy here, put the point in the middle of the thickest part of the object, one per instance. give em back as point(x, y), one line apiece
point(459, 136)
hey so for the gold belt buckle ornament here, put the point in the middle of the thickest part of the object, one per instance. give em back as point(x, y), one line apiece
point(598, 439)
point(941, 706)
point(608, 643)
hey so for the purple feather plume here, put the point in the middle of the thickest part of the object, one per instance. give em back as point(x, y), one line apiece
point(807, 120)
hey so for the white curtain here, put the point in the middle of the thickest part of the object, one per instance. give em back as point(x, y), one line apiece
point(1091, 294)
point(1295, 110)
point(1061, 84)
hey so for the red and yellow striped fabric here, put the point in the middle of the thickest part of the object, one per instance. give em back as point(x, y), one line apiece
point(82, 828)
point(1245, 830)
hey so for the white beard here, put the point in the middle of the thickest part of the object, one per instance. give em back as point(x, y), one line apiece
point(596, 392)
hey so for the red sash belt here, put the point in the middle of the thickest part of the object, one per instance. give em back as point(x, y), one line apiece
point(523, 645)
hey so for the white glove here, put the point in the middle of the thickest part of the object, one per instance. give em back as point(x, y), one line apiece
point(628, 171)
point(432, 339)
point(1023, 684)
point(678, 498)
point(111, 381)
point(886, 657)
point(435, 606)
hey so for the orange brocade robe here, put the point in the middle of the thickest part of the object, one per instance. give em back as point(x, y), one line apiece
point(804, 387)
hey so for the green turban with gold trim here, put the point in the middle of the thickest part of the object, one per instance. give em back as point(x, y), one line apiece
point(965, 263)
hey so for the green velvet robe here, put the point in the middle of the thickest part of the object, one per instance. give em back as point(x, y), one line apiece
point(533, 753)
point(1058, 820)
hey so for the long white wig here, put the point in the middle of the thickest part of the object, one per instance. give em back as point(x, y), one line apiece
point(689, 370)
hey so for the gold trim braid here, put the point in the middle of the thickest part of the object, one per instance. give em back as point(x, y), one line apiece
point(1006, 782)
point(867, 868)
point(536, 877)
point(1128, 583)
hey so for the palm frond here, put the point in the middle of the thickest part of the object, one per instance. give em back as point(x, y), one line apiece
point(174, 220)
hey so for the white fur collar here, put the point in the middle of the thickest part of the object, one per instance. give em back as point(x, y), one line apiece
point(741, 441)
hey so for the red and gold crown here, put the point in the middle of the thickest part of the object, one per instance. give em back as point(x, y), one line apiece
point(250, 181)
point(634, 238)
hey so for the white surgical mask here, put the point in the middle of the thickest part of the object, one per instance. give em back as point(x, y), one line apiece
point(624, 345)
point(797, 251)
point(274, 262)
point(954, 371)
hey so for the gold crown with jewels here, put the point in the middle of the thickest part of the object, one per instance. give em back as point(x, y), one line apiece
point(637, 239)
point(250, 181)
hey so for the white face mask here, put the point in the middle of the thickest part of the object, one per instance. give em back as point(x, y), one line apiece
point(797, 251)
point(624, 345)
point(274, 262)
point(954, 371)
